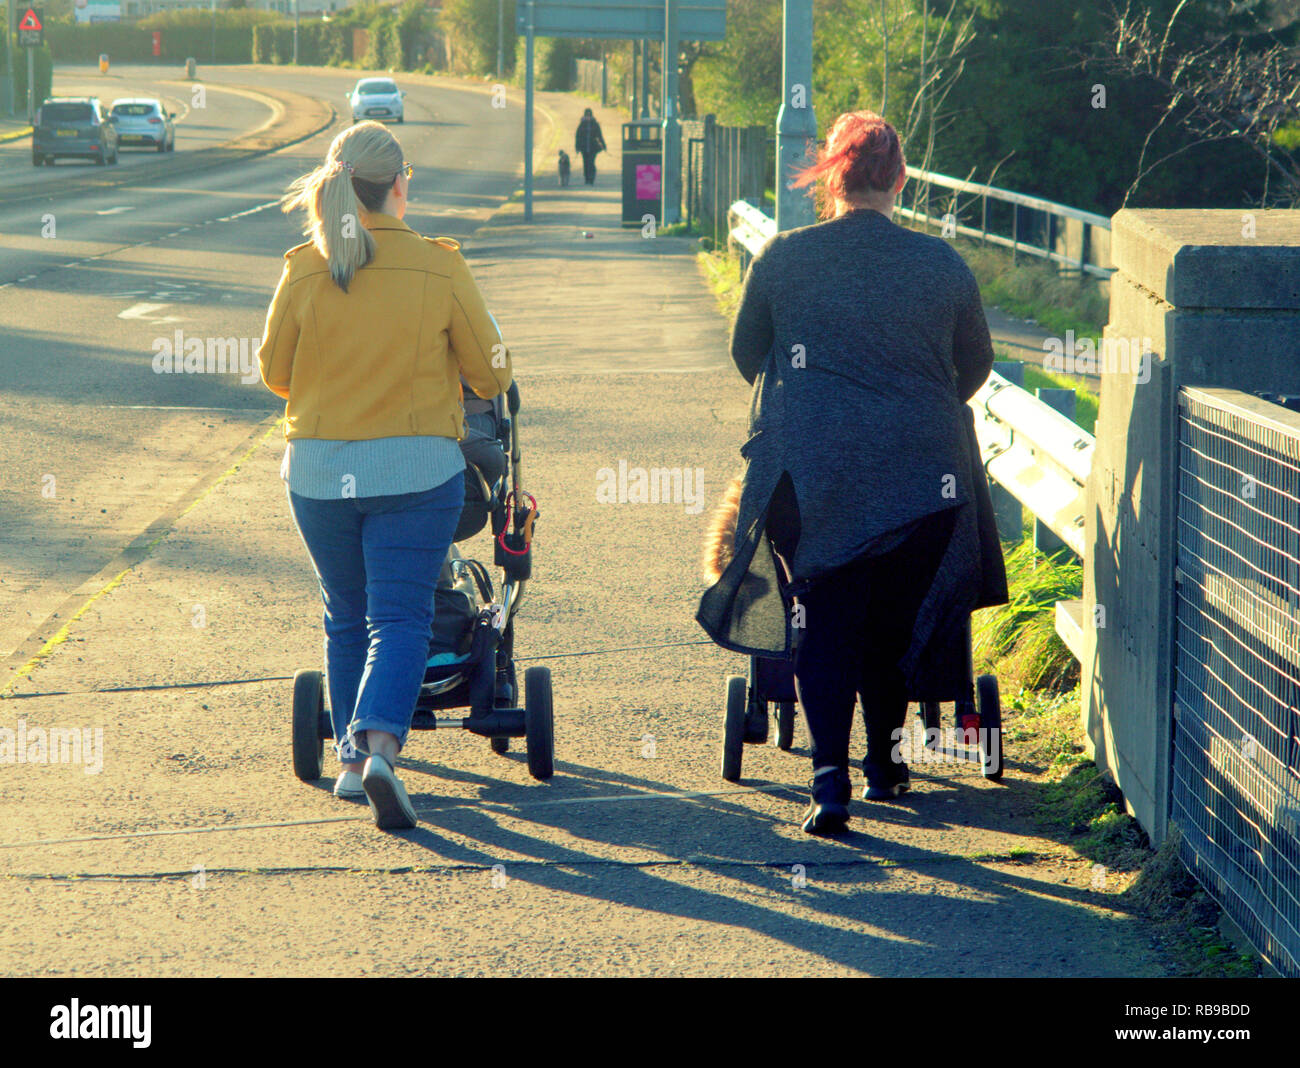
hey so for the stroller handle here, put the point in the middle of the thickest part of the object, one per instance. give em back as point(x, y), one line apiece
point(512, 398)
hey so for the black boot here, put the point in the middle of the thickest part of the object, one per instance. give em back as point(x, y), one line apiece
point(885, 784)
point(828, 810)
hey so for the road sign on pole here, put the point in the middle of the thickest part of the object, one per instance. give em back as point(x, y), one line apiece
point(698, 20)
point(31, 30)
point(31, 34)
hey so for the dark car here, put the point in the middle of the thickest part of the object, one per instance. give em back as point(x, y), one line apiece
point(76, 128)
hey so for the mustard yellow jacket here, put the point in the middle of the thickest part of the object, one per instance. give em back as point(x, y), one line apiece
point(385, 358)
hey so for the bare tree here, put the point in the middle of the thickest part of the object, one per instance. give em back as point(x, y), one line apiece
point(1214, 91)
point(942, 63)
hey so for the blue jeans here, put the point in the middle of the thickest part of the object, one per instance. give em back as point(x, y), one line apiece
point(377, 559)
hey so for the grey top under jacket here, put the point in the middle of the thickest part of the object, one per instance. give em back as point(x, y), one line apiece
point(325, 470)
point(863, 341)
point(328, 470)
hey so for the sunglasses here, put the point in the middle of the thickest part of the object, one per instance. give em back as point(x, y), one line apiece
point(408, 170)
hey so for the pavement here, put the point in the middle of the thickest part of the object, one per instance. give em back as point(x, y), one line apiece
point(185, 845)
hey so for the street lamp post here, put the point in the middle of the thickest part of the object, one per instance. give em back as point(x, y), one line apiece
point(295, 32)
point(501, 36)
point(671, 187)
point(796, 124)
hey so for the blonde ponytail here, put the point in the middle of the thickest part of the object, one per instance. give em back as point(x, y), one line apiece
point(359, 169)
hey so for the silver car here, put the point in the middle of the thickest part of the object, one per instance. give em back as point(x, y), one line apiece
point(143, 122)
point(376, 98)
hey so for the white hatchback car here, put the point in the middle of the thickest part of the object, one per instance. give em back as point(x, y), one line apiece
point(144, 122)
point(376, 98)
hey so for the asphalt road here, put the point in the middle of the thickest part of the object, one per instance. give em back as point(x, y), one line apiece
point(204, 119)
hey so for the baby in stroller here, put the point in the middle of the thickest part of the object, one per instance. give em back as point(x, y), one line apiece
point(471, 650)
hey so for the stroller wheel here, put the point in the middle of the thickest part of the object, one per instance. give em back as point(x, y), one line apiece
point(539, 724)
point(785, 725)
point(756, 724)
point(308, 715)
point(500, 745)
point(990, 709)
point(733, 728)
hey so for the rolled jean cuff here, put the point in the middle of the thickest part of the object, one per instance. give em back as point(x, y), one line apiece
point(394, 727)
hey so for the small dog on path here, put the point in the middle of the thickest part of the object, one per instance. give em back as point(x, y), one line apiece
point(564, 167)
point(720, 537)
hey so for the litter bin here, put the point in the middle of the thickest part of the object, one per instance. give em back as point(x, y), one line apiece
point(103, 62)
point(190, 68)
point(642, 170)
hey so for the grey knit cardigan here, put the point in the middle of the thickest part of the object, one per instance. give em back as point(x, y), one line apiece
point(863, 341)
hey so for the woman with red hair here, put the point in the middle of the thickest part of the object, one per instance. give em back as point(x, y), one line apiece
point(863, 536)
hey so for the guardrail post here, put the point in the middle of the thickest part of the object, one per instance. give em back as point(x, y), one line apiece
point(1063, 401)
point(1008, 512)
point(708, 161)
point(1214, 297)
point(1012, 370)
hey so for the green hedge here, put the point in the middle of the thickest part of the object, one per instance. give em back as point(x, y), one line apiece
point(320, 44)
point(394, 37)
point(44, 73)
point(228, 42)
point(552, 62)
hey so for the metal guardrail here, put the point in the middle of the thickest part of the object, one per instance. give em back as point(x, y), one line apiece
point(1041, 457)
point(1053, 211)
point(1036, 453)
point(748, 230)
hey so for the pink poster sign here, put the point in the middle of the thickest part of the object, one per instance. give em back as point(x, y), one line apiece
point(647, 181)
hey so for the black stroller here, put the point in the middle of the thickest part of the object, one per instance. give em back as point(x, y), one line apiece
point(977, 717)
point(471, 651)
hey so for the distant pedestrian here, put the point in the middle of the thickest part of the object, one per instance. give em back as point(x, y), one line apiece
point(367, 337)
point(863, 340)
point(588, 142)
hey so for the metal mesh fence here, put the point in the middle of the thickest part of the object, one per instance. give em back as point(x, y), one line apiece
point(1236, 745)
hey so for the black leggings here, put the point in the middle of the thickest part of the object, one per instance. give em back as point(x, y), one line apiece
point(858, 625)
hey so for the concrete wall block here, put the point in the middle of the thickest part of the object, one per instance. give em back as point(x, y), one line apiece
point(1246, 351)
point(1211, 258)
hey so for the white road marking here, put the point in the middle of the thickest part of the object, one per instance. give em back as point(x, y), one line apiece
point(115, 211)
point(146, 312)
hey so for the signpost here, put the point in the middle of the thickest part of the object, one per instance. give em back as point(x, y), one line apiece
point(31, 35)
point(684, 20)
point(10, 86)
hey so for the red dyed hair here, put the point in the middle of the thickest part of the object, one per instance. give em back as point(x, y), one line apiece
point(862, 154)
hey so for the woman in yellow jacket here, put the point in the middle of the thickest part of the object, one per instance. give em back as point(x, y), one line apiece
point(367, 337)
